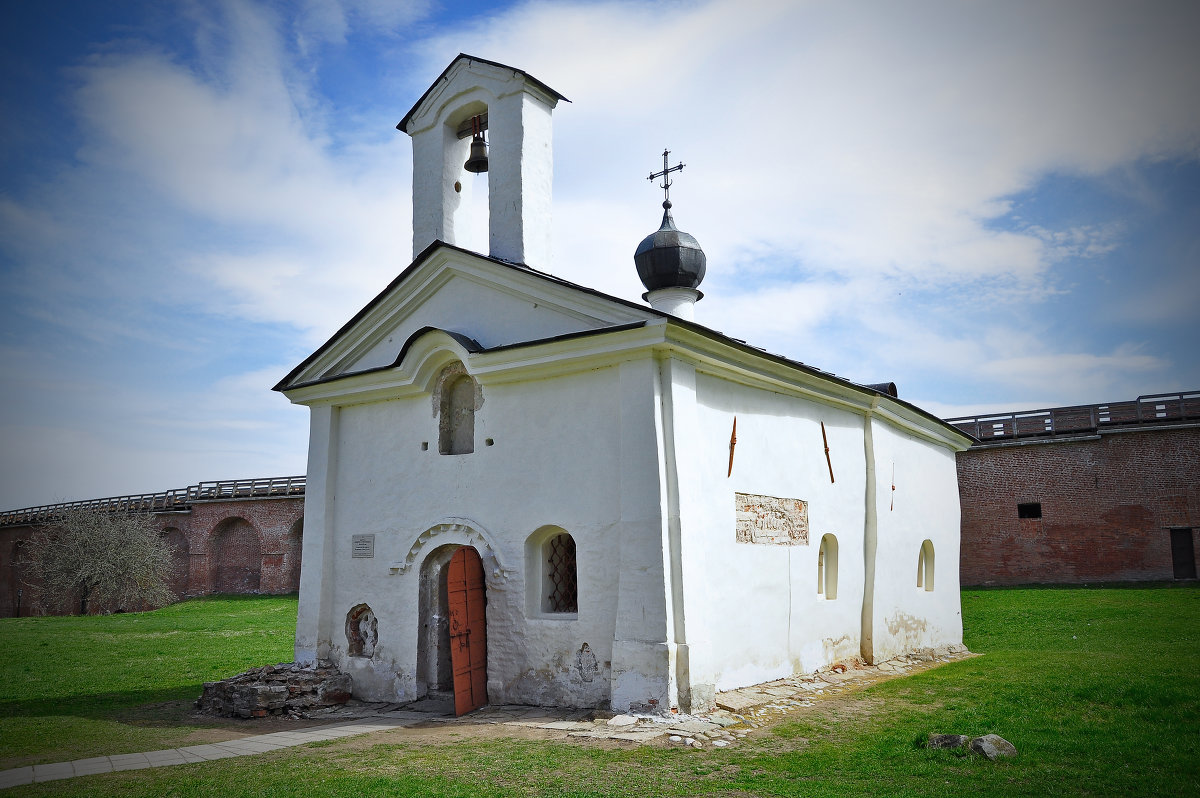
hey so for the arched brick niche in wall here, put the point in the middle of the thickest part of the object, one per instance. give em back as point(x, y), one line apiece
point(180, 549)
point(292, 554)
point(12, 591)
point(235, 557)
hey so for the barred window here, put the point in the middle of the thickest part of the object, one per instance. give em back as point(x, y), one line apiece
point(562, 582)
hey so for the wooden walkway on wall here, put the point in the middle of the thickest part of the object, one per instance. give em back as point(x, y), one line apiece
point(1149, 410)
point(178, 500)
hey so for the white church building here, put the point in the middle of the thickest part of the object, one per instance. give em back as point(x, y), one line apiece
point(522, 490)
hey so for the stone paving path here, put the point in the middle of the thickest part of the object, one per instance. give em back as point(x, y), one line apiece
point(738, 712)
point(243, 746)
point(762, 704)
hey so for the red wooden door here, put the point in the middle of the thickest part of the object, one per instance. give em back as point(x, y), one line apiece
point(468, 630)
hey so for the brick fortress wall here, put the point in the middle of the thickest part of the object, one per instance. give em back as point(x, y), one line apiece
point(224, 546)
point(1108, 503)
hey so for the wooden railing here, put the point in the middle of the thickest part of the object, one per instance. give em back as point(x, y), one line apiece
point(1152, 409)
point(177, 500)
point(247, 488)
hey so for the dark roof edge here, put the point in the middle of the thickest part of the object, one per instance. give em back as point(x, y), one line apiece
point(690, 325)
point(472, 346)
point(417, 261)
point(615, 328)
point(411, 111)
point(868, 389)
point(283, 384)
point(467, 343)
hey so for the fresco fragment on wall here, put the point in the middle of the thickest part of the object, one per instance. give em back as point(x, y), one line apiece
point(772, 520)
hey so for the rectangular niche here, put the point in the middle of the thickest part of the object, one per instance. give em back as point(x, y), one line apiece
point(770, 519)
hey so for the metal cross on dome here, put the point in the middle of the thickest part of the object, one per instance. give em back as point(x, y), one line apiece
point(666, 183)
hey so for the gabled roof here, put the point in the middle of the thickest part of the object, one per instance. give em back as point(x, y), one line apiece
point(461, 56)
point(883, 390)
point(426, 254)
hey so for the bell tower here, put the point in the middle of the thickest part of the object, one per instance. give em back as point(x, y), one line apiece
point(476, 99)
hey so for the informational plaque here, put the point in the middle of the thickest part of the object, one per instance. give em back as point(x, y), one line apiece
point(772, 520)
point(362, 546)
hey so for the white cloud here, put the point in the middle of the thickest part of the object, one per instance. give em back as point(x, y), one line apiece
point(307, 232)
point(1085, 372)
point(329, 21)
point(78, 435)
point(877, 137)
point(855, 140)
point(847, 164)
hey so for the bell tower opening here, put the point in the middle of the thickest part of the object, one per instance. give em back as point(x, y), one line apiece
point(469, 224)
point(479, 109)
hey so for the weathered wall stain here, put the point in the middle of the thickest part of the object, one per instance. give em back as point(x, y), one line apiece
point(585, 663)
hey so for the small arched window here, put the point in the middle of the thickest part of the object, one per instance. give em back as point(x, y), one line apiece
point(925, 566)
point(456, 411)
point(552, 572)
point(827, 567)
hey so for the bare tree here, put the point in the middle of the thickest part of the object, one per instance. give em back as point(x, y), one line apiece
point(102, 560)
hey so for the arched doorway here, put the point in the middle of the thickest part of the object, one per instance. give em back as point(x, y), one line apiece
point(452, 647)
point(467, 604)
point(235, 557)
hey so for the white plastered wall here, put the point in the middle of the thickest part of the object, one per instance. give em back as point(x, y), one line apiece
point(671, 605)
point(753, 612)
point(509, 318)
point(555, 461)
point(316, 569)
point(903, 616)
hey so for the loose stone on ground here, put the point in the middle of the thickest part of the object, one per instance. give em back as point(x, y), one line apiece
point(994, 747)
point(765, 703)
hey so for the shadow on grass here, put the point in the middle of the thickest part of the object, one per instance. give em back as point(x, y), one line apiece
point(127, 705)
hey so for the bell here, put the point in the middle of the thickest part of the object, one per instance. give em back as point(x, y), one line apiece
point(478, 162)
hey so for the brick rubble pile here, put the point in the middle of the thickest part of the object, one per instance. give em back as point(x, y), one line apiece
point(286, 689)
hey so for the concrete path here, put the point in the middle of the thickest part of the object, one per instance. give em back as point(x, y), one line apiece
point(559, 722)
point(243, 746)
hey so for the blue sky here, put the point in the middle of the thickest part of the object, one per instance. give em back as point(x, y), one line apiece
point(995, 205)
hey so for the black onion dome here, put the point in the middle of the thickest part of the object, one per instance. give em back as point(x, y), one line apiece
point(669, 257)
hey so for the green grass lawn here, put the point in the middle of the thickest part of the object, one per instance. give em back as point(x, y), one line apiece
point(75, 687)
point(1098, 688)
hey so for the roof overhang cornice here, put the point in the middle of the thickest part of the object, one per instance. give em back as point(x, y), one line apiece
point(431, 270)
point(708, 352)
point(727, 359)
